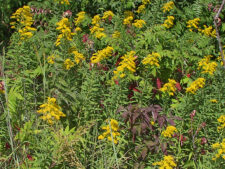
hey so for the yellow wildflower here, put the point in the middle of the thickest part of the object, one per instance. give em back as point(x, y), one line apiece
point(145, 2)
point(209, 31)
point(213, 101)
point(169, 131)
point(139, 23)
point(169, 87)
point(80, 18)
point(24, 17)
point(221, 120)
point(65, 31)
point(168, 23)
point(141, 8)
point(168, 6)
point(77, 29)
point(152, 59)
point(207, 66)
point(51, 111)
point(166, 163)
point(128, 20)
point(107, 14)
point(63, 2)
point(68, 64)
point(96, 20)
point(100, 35)
point(78, 57)
point(102, 54)
point(197, 84)
point(193, 24)
point(220, 147)
point(116, 34)
point(51, 59)
point(114, 126)
point(127, 63)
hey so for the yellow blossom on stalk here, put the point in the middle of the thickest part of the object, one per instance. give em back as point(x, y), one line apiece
point(206, 65)
point(68, 64)
point(213, 101)
point(97, 31)
point(80, 18)
point(209, 31)
point(168, 23)
point(2, 91)
point(116, 34)
point(128, 20)
point(107, 14)
point(65, 31)
point(63, 2)
point(127, 63)
point(170, 130)
point(100, 35)
point(221, 120)
point(141, 8)
point(128, 13)
point(51, 59)
point(197, 84)
point(78, 57)
point(77, 29)
point(168, 6)
point(220, 147)
point(152, 59)
point(111, 128)
point(51, 111)
point(169, 87)
point(145, 2)
point(139, 23)
point(24, 17)
point(102, 54)
point(193, 24)
point(96, 19)
point(166, 163)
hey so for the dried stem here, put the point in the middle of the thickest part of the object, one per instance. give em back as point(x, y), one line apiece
point(217, 32)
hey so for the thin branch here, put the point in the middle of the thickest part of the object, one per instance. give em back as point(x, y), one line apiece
point(217, 31)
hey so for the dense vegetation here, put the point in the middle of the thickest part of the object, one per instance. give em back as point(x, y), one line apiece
point(112, 84)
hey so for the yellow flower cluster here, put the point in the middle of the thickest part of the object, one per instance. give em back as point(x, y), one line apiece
point(80, 18)
point(63, 2)
point(2, 91)
point(111, 131)
point(221, 120)
point(193, 24)
point(220, 150)
point(68, 64)
point(169, 131)
point(166, 163)
point(128, 13)
point(145, 2)
point(102, 54)
point(96, 19)
point(141, 8)
point(65, 29)
point(139, 23)
point(107, 14)
point(197, 84)
point(168, 6)
point(213, 101)
point(207, 66)
point(24, 17)
point(208, 31)
point(128, 62)
point(168, 23)
point(152, 59)
point(96, 29)
point(169, 87)
point(78, 57)
point(116, 35)
point(51, 59)
point(51, 111)
point(128, 20)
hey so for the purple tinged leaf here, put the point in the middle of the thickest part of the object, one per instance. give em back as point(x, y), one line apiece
point(144, 152)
